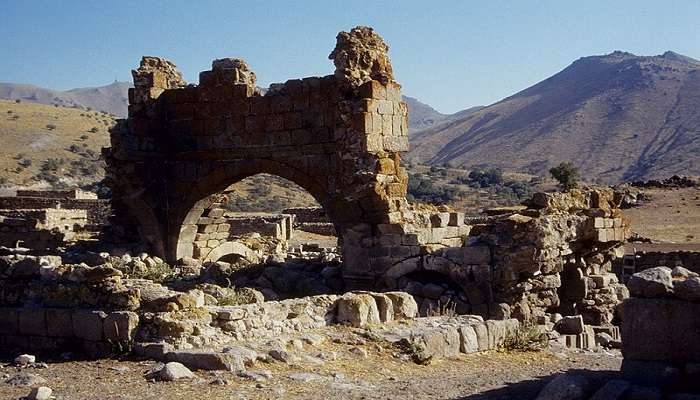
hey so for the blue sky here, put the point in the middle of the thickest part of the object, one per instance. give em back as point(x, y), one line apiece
point(449, 54)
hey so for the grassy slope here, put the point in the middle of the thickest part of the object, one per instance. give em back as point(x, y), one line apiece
point(25, 132)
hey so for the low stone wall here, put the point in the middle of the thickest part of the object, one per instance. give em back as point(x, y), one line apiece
point(58, 194)
point(320, 228)
point(275, 317)
point(95, 333)
point(278, 226)
point(307, 214)
point(40, 229)
point(98, 211)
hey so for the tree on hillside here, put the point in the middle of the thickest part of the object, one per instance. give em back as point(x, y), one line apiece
point(566, 174)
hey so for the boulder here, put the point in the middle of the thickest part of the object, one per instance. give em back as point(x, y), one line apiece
point(682, 273)
point(404, 304)
point(652, 282)
point(25, 359)
point(40, 393)
point(358, 310)
point(565, 387)
point(688, 289)
point(170, 372)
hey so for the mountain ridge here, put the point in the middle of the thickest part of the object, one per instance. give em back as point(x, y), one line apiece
point(617, 116)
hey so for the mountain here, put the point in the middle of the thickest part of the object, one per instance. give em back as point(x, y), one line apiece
point(617, 117)
point(422, 116)
point(111, 98)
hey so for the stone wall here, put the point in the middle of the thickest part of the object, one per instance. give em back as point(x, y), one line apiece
point(40, 229)
point(50, 330)
point(554, 256)
point(98, 211)
point(339, 137)
point(278, 226)
point(661, 327)
point(58, 194)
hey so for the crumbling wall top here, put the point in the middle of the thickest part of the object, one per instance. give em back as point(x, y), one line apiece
point(361, 56)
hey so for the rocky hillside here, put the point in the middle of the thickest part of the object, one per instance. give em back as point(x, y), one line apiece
point(111, 99)
point(49, 145)
point(617, 117)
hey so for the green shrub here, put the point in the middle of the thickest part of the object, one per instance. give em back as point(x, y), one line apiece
point(527, 337)
point(566, 174)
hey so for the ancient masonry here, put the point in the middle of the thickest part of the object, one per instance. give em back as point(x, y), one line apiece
point(340, 137)
point(47, 219)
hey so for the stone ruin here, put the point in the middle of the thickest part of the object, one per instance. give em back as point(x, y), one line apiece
point(340, 137)
point(47, 219)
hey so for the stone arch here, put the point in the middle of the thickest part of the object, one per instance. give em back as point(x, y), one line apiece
point(229, 248)
point(339, 137)
point(203, 196)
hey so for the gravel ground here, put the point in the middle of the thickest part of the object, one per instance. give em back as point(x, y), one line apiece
point(378, 375)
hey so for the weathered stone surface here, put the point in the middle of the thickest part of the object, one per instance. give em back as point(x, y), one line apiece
point(688, 289)
point(361, 56)
point(120, 326)
point(653, 328)
point(469, 341)
point(565, 387)
point(40, 393)
point(358, 310)
point(404, 304)
point(652, 282)
point(612, 390)
point(59, 322)
point(88, 324)
point(170, 372)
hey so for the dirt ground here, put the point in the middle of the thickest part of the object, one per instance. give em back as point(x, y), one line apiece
point(672, 215)
point(489, 375)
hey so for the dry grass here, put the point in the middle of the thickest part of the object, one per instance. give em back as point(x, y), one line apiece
point(40, 132)
point(672, 215)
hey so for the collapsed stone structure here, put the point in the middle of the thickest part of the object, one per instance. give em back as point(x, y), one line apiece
point(47, 219)
point(340, 138)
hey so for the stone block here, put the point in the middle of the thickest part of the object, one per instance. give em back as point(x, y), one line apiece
point(88, 324)
point(59, 322)
point(405, 306)
point(496, 333)
point(120, 326)
point(385, 306)
point(32, 321)
point(358, 310)
point(441, 341)
point(469, 342)
point(9, 321)
point(660, 330)
point(482, 336)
